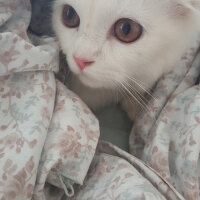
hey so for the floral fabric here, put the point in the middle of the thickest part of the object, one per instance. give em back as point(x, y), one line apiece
point(49, 139)
point(167, 138)
point(46, 131)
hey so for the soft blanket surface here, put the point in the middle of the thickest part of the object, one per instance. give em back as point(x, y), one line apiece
point(49, 139)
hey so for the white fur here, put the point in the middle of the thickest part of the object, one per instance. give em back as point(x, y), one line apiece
point(168, 27)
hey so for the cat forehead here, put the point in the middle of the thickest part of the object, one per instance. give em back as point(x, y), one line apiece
point(118, 6)
point(108, 11)
point(114, 2)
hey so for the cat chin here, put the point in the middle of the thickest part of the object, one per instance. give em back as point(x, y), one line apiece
point(92, 82)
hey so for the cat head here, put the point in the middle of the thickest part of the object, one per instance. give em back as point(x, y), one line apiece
point(111, 42)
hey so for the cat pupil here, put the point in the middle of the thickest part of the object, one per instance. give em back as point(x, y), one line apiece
point(126, 28)
point(70, 13)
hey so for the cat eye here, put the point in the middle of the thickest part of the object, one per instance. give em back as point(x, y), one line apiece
point(69, 17)
point(126, 30)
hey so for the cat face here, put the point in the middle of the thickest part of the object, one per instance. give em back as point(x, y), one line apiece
point(109, 43)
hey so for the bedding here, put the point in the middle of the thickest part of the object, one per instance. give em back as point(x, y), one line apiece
point(49, 139)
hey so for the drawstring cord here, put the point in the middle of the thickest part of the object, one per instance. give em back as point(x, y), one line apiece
point(66, 184)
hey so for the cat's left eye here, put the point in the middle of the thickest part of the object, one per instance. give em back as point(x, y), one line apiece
point(70, 17)
point(127, 30)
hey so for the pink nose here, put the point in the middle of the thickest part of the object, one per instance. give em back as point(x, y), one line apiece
point(82, 63)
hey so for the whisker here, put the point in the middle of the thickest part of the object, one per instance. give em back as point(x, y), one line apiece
point(139, 96)
point(138, 93)
point(141, 85)
point(127, 88)
point(142, 106)
point(134, 80)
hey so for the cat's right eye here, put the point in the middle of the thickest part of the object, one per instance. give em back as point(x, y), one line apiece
point(70, 17)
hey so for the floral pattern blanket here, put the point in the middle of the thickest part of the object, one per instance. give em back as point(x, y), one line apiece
point(49, 139)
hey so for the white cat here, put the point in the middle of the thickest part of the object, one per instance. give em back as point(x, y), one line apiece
point(118, 49)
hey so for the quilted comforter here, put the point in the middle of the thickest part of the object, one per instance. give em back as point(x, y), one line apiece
point(49, 139)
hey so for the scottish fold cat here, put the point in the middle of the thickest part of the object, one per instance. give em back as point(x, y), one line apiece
point(117, 50)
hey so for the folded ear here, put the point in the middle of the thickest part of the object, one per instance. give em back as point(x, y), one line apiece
point(195, 4)
point(184, 8)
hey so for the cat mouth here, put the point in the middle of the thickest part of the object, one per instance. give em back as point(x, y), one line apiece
point(86, 79)
point(89, 81)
